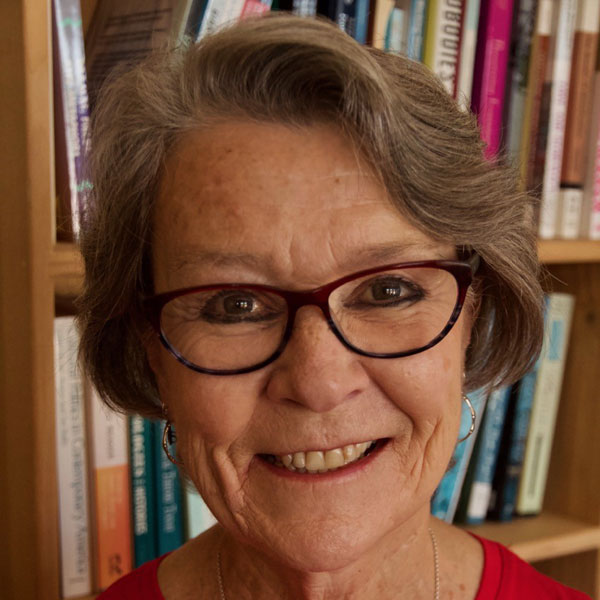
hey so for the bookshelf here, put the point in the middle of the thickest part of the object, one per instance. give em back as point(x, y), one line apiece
point(37, 274)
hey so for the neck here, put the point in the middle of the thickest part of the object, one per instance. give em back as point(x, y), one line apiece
point(399, 567)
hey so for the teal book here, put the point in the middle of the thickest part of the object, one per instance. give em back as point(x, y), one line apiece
point(143, 495)
point(168, 498)
point(445, 499)
point(477, 489)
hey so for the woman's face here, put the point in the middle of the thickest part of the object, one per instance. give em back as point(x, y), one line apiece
point(295, 209)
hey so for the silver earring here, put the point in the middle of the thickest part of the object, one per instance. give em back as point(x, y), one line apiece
point(473, 419)
point(169, 438)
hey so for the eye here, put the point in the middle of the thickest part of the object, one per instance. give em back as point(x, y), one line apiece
point(385, 291)
point(237, 306)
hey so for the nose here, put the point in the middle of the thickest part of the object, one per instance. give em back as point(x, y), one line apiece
point(316, 370)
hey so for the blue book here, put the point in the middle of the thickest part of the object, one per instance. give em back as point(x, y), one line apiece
point(143, 495)
point(475, 498)
point(416, 29)
point(362, 21)
point(168, 498)
point(445, 499)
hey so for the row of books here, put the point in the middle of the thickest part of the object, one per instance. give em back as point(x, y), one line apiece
point(529, 69)
point(501, 470)
point(121, 501)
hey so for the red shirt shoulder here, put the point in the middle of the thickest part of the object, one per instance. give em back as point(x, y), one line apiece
point(507, 577)
point(140, 584)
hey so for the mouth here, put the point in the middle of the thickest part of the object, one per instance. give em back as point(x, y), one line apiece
point(324, 461)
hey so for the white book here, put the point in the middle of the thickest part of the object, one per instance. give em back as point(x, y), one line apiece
point(198, 517)
point(468, 46)
point(71, 462)
point(219, 13)
point(561, 74)
point(590, 218)
point(571, 205)
point(441, 51)
point(546, 397)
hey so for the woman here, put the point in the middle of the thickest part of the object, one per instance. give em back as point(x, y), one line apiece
point(299, 257)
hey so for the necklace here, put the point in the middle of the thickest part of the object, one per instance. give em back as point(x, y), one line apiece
point(436, 568)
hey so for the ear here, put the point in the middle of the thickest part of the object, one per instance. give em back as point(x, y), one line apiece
point(153, 349)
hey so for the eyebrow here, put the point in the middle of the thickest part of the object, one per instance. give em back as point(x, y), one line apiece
point(371, 256)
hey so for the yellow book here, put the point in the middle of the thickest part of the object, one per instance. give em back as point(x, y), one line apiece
point(430, 33)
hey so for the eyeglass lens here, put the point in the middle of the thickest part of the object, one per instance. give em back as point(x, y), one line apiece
point(388, 312)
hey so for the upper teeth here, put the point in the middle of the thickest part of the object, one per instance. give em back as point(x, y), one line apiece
point(317, 461)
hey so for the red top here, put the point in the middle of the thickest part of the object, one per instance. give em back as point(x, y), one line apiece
point(505, 577)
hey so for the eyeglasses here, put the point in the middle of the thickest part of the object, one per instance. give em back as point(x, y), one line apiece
point(386, 312)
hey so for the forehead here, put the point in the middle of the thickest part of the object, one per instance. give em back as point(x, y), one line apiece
point(294, 201)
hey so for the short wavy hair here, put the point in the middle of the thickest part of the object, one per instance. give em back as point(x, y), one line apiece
point(425, 150)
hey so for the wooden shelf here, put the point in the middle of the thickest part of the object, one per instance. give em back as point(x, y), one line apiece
point(66, 269)
point(546, 536)
point(553, 252)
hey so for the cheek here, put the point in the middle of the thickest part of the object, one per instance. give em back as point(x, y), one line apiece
point(216, 410)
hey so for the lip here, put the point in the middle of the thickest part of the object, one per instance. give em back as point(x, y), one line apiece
point(350, 469)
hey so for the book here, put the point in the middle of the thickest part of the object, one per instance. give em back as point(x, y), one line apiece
point(545, 404)
point(143, 489)
point(342, 12)
point(489, 76)
point(536, 75)
point(361, 29)
point(579, 109)
point(477, 491)
point(168, 497)
point(122, 32)
point(590, 218)
point(220, 13)
point(516, 92)
point(302, 8)
point(442, 40)
point(417, 19)
point(71, 463)
point(112, 495)
point(468, 47)
point(507, 475)
point(445, 498)
point(198, 517)
point(381, 17)
point(561, 73)
point(396, 32)
point(71, 118)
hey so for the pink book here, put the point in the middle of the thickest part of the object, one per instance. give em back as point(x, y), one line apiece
point(489, 78)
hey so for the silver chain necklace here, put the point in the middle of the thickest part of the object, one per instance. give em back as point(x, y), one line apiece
point(436, 567)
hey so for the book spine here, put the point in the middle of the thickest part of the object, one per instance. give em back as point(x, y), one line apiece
point(577, 124)
point(545, 405)
point(581, 90)
point(346, 16)
point(218, 13)
point(141, 439)
point(445, 499)
point(445, 24)
point(506, 479)
point(538, 65)
point(198, 517)
point(489, 79)
point(561, 73)
point(396, 32)
point(416, 29)
point(255, 7)
point(362, 21)
point(467, 53)
point(74, 97)
point(383, 11)
point(112, 498)
point(71, 463)
point(590, 225)
point(519, 69)
point(168, 498)
point(478, 497)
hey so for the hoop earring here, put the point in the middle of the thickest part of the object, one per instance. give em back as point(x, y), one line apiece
point(168, 439)
point(473, 419)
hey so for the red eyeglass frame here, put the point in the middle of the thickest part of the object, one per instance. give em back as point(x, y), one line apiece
point(462, 271)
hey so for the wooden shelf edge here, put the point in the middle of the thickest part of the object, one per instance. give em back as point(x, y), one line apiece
point(66, 269)
point(545, 536)
point(552, 252)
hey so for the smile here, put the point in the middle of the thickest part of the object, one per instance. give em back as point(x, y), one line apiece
point(322, 461)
